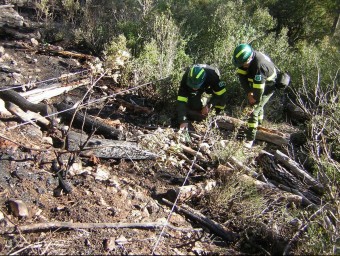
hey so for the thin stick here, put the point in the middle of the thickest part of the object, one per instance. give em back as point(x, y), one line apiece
point(70, 225)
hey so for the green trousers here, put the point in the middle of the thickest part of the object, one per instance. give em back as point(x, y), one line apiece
point(256, 117)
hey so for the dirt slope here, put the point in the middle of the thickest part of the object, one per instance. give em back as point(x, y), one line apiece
point(103, 191)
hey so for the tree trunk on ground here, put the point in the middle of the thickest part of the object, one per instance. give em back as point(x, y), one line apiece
point(20, 101)
point(184, 193)
point(80, 121)
point(268, 135)
point(104, 148)
point(279, 175)
point(294, 168)
point(215, 227)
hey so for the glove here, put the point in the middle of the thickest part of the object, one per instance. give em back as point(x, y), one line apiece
point(251, 99)
point(205, 111)
point(183, 126)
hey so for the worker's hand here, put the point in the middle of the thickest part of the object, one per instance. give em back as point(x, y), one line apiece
point(205, 111)
point(183, 126)
point(251, 99)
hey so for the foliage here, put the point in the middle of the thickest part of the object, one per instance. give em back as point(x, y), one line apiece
point(162, 55)
point(309, 20)
point(44, 10)
point(264, 222)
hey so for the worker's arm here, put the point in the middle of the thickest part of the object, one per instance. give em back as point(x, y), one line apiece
point(182, 101)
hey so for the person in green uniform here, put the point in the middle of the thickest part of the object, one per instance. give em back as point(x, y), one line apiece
point(197, 80)
point(257, 75)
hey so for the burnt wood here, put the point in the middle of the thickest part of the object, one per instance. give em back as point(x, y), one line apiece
point(24, 104)
point(86, 123)
point(104, 148)
point(277, 174)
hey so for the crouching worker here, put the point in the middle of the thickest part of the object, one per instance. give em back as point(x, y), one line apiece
point(199, 79)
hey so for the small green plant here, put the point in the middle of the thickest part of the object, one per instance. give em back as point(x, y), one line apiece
point(44, 10)
point(71, 9)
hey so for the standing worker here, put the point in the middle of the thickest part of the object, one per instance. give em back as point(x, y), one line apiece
point(199, 79)
point(257, 75)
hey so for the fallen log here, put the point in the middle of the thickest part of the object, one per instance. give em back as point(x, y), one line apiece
point(296, 114)
point(288, 195)
point(265, 134)
point(26, 116)
point(182, 156)
point(212, 225)
point(81, 121)
point(294, 167)
point(24, 104)
point(192, 152)
point(103, 148)
point(52, 50)
point(71, 225)
point(279, 175)
point(134, 107)
point(50, 91)
point(185, 193)
point(241, 166)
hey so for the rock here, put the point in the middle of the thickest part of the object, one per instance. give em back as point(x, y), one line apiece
point(102, 173)
point(76, 168)
point(109, 244)
point(121, 240)
point(2, 51)
point(18, 208)
point(47, 140)
point(34, 42)
point(9, 17)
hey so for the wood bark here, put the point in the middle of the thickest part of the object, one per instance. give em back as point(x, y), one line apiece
point(195, 165)
point(24, 104)
point(26, 116)
point(67, 112)
point(50, 91)
point(81, 121)
point(296, 114)
point(268, 135)
point(298, 200)
point(107, 149)
point(192, 152)
point(277, 174)
point(240, 165)
point(212, 225)
point(299, 172)
point(52, 50)
point(133, 107)
point(71, 225)
point(185, 193)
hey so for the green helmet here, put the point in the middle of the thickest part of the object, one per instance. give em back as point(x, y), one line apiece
point(241, 54)
point(196, 77)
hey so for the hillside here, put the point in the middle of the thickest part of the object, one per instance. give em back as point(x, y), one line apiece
point(115, 194)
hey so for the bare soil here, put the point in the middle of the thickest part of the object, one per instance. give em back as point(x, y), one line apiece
point(125, 195)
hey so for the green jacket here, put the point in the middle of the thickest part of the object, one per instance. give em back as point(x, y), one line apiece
point(212, 85)
point(259, 77)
